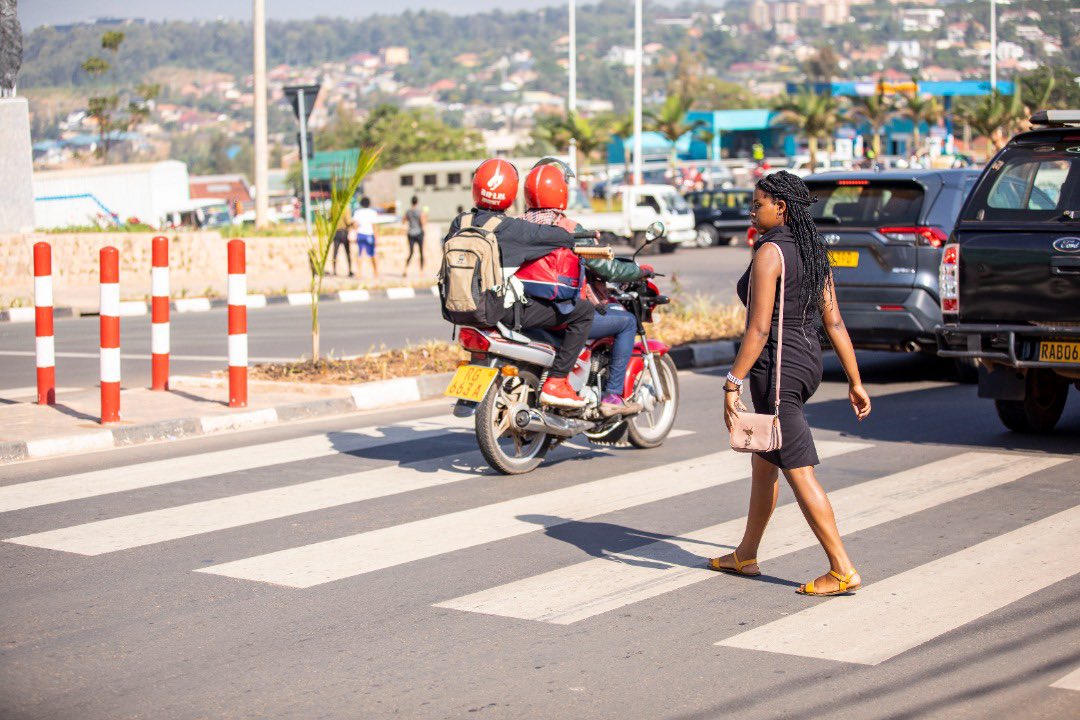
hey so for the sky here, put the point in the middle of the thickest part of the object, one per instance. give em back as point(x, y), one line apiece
point(33, 13)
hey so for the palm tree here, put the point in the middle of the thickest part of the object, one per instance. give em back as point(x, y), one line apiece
point(670, 121)
point(624, 128)
point(993, 116)
point(921, 109)
point(706, 136)
point(816, 116)
point(589, 134)
point(876, 110)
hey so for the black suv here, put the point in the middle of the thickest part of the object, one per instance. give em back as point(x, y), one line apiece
point(885, 232)
point(1010, 276)
point(720, 215)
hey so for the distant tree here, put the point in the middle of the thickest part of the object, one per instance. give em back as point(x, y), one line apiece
point(814, 115)
point(670, 121)
point(994, 116)
point(404, 136)
point(822, 66)
point(105, 109)
point(921, 109)
point(876, 110)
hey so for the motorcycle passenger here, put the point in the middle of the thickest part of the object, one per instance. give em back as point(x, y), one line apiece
point(495, 185)
point(546, 195)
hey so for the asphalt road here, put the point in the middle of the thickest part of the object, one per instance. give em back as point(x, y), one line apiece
point(368, 566)
point(282, 332)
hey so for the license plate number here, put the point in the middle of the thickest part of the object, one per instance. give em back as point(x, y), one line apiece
point(471, 382)
point(844, 258)
point(1062, 352)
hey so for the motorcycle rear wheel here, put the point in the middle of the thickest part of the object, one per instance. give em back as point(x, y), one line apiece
point(649, 429)
point(505, 448)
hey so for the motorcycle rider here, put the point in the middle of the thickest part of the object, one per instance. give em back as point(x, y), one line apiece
point(494, 188)
point(546, 196)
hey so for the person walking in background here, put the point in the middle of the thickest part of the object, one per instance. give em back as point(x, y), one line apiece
point(341, 240)
point(780, 213)
point(414, 221)
point(365, 236)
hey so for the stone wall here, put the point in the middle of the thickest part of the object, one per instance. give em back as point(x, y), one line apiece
point(198, 265)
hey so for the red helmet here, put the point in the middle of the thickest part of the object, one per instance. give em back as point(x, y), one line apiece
point(495, 185)
point(545, 187)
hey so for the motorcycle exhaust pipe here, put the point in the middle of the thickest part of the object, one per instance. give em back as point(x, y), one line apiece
point(533, 420)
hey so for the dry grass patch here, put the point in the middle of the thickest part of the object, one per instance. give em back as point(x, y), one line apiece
point(699, 318)
point(426, 359)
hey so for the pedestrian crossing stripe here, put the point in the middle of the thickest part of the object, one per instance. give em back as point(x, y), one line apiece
point(1069, 682)
point(155, 526)
point(596, 586)
point(912, 608)
point(323, 562)
point(219, 462)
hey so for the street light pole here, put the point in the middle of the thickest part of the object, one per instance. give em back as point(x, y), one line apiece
point(993, 44)
point(571, 102)
point(300, 101)
point(262, 159)
point(637, 92)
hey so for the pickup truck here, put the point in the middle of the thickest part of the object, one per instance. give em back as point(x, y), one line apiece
point(1010, 275)
point(642, 205)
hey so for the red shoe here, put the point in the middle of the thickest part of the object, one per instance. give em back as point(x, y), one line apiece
point(557, 391)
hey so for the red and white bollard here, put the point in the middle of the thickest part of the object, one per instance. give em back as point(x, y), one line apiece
point(110, 335)
point(159, 315)
point(45, 348)
point(238, 346)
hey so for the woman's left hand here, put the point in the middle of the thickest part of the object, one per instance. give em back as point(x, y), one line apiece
point(732, 407)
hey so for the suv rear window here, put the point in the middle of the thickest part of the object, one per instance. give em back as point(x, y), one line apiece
point(865, 203)
point(1029, 183)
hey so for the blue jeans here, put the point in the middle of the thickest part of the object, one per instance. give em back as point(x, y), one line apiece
point(621, 325)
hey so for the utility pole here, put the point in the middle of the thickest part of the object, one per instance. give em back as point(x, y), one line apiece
point(993, 44)
point(262, 152)
point(637, 93)
point(571, 102)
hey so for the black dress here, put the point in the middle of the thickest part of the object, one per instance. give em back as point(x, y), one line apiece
point(800, 373)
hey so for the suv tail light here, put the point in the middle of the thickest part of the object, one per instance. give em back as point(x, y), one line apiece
point(473, 340)
point(949, 279)
point(918, 235)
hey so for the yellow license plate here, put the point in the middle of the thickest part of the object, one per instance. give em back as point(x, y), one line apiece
point(844, 258)
point(1062, 352)
point(471, 382)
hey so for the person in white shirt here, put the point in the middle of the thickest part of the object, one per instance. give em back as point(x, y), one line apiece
point(364, 219)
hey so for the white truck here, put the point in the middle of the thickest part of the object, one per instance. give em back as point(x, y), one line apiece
point(642, 205)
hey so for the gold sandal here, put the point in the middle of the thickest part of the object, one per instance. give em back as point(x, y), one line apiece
point(714, 564)
point(808, 588)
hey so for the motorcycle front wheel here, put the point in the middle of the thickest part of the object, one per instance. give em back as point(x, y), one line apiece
point(650, 427)
point(508, 450)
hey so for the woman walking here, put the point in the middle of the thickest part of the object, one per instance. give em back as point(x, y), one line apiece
point(781, 215)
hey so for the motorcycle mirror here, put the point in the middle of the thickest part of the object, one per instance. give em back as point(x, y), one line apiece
point(654, 231)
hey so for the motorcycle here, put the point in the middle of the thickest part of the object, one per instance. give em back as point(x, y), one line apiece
point(500, 385)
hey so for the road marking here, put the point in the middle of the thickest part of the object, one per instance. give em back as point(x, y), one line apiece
point(1069, 682)
point(170, 470)
point(907, 610)
point(589, 588)
point(157, 526)
point(323, 562)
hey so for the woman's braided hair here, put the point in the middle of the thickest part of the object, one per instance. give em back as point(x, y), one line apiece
point(817, 272)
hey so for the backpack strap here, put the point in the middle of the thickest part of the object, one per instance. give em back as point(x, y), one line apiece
point(465, 220)
point(493, 223)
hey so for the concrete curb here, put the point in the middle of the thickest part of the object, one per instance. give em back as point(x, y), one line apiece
point(365, 396)
point(204, 304)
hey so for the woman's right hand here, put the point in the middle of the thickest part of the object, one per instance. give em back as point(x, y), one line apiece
point(860, 401)
point(732, 407)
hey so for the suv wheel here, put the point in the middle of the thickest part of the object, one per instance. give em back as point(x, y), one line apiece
point(1041, 408)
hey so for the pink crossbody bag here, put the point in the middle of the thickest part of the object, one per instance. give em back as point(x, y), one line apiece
point(754, 432)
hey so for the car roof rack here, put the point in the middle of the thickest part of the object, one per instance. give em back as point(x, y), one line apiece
point(1056, 118)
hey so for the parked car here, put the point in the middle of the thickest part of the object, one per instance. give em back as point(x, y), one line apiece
point(1010, 275)
point(720, 216)
point(642, 205)
point(885, 232)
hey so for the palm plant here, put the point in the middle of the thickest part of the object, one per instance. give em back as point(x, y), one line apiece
point(342, 190)
point(706, 136)
point(588, 134)
point(875, 110)
point(624, 128)
point(993, 116)
point(815, 116)
point(670, 121)
point(921, 109)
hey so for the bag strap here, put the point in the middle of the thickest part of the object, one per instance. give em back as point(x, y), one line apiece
point(780, 332)
point(465, 220)
point(492, 224)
